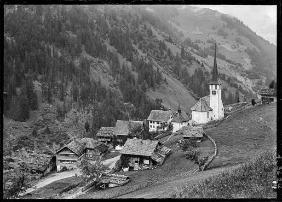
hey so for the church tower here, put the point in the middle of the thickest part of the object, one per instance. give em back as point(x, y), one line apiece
point(215, 93)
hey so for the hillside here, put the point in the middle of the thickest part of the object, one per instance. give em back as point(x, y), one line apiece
point(234, 148)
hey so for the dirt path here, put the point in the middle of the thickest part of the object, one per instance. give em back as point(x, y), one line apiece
point(111, 162)
point(52, 178)
point(167, 189)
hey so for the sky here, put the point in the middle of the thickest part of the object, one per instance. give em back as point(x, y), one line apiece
point(262, 19)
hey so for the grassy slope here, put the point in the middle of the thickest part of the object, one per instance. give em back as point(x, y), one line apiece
point(251, 180)
point(232, 150)
point(245, 135)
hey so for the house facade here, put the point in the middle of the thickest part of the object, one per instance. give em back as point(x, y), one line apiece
point(72, 153)
point(159, 120)
point(123, 128)
point(204, 111)
point(179, 120)
point(143, 154)
point(105, 134)
point(67, 156)
point(267, 95)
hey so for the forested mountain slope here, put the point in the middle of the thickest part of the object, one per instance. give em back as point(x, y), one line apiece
point(123, 61)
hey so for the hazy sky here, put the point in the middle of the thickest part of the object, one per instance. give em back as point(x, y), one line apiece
point(262, 19)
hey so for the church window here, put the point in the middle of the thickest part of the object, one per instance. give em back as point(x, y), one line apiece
point(213, 92)
point(215, 86)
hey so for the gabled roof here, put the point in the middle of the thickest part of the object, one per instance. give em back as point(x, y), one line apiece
point(139, 147)
point(75, 146)
point(124, 127)
point(159, 115)
point(180, 117)
point(105, 131)
point(201, 106)
point(267, 92)
point(90, 143)
point(207, 99)
point(188, 131)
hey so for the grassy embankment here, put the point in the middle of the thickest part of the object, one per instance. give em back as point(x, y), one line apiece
point(247, 138)
point(251, 180)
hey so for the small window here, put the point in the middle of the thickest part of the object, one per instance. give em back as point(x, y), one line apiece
point(215, 86)
point(213, 92)
point(146, 161)
point(208, 115)
point(150, 126)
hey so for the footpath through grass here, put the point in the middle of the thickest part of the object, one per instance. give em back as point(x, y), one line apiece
point(251, 180)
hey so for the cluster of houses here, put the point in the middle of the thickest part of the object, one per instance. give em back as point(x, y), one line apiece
point(145, 154)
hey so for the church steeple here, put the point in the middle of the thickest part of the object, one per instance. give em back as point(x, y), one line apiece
point(214, 79)
point(179, 109)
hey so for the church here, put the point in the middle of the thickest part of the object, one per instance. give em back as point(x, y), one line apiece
point(210, 107)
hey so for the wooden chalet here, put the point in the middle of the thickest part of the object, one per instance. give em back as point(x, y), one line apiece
point(192, 132)
point(105, 134)
point(68, 155)
point(267, 95)
point(123, 129)
point(86, 148)
point(144, 154)
point(93, 149)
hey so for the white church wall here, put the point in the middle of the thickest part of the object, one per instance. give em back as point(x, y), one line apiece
point(201, 117)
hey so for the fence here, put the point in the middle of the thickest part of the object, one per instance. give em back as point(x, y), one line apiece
point(211, 157)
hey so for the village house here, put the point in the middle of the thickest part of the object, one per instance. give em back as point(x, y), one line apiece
point(159, 120)
point(210, 107)
point(143, 154)
point(123, 129)
point(86, 148)
point(179, 119)
point(267, 95)
point(189, 132)
point(93, 149)
point(105, 134)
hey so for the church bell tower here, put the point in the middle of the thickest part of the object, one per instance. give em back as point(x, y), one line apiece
point(215, 93)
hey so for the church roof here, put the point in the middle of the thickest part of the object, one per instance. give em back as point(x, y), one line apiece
point(201, 106)
point(214, 79)
point(180, 117)
point(207, 99)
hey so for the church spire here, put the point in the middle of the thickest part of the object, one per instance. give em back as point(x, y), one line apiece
point(179, 109)
point(214, 79)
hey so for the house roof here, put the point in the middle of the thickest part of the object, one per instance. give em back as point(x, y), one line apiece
point(188, 131)
point(139, 147)
point(159, 115)
point(180, 117)
point(201, 106)
point(267, 92)
point(74, 146)
point(90, 143)
point(78, 145)
point(105, 132)
point(124, 127)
